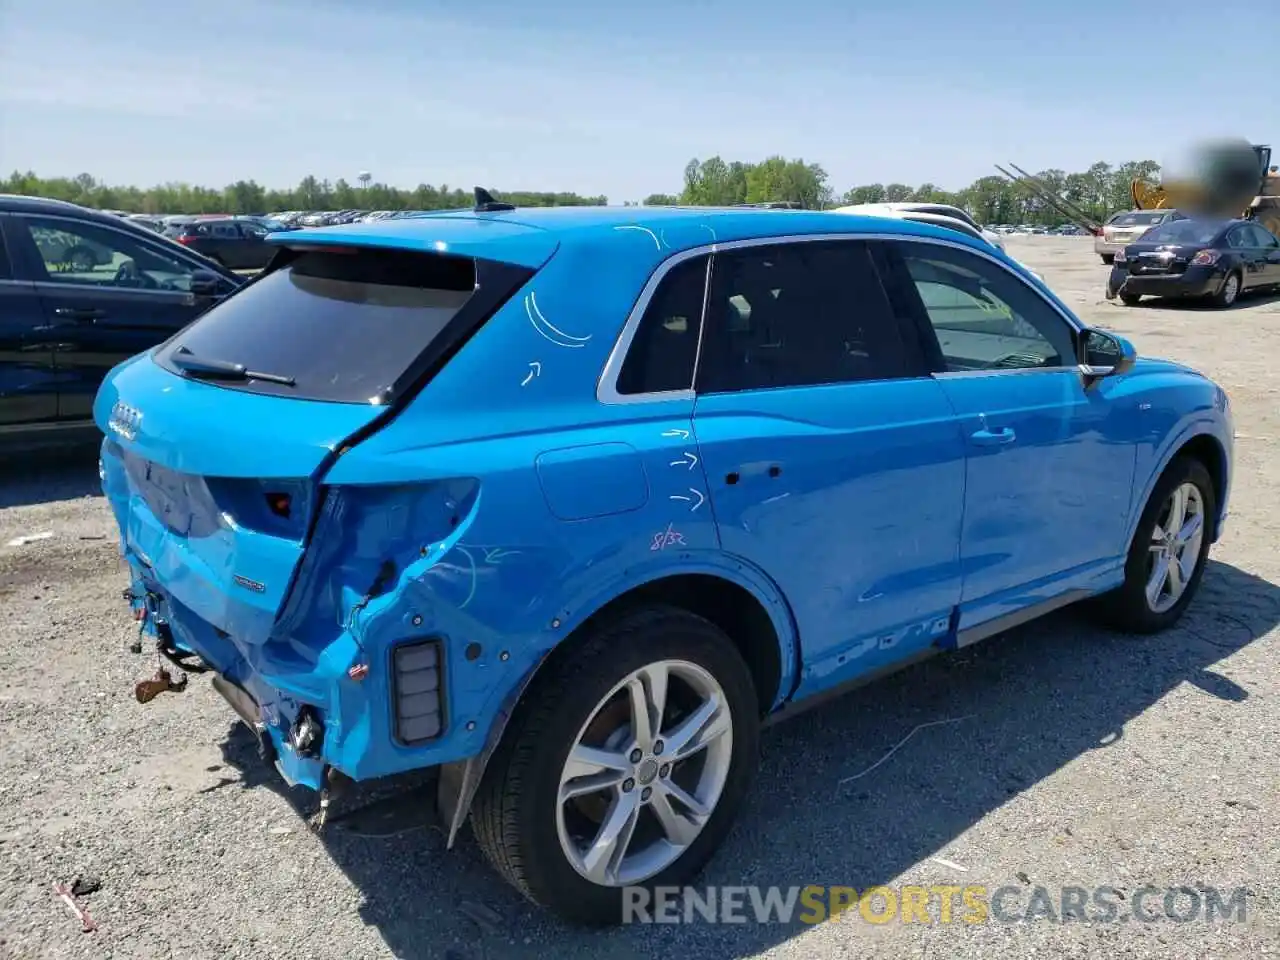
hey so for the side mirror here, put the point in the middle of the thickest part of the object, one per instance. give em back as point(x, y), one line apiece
point(1105, 354)
point(205, 283)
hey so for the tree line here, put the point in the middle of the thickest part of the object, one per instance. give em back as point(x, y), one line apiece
point(1100, 190)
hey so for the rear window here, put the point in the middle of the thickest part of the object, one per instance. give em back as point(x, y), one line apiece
point(344, 326)
point(1183, 231)
point(1137, 219)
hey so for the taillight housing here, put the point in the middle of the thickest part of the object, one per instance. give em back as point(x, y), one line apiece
point(1120, 257)
point(184, 239)
point(1206, 258)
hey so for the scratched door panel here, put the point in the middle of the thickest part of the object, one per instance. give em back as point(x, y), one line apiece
point(849, 496)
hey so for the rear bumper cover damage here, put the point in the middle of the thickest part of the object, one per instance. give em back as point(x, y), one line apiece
point(328, 686)
point(1195, 282)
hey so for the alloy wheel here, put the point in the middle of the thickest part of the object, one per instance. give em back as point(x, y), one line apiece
point(1230, 289)
point(644, 774)
point(1175, 545)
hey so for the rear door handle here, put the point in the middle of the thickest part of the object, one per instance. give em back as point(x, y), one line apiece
point(80, 313)
point(993, 438)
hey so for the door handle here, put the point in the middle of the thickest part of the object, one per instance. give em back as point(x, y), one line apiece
point(80, 313)
point(993, 438)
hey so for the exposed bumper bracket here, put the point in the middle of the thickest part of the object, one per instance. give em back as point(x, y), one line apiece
point(246, 709)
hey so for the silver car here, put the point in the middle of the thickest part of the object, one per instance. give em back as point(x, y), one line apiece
point(1122, 229)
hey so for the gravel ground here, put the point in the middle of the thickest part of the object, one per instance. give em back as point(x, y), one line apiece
point(1087, 759)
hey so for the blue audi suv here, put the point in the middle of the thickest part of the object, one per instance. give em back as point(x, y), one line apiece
point(567, 503)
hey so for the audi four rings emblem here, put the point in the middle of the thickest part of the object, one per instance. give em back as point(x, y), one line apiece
point(125, 420)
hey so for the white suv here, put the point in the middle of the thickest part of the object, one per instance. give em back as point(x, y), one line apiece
point(939, 214)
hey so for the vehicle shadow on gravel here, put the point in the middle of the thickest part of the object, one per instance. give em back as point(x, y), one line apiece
point(26, 480)
point(1034, 700)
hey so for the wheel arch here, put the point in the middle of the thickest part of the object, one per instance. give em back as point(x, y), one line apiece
point(1199, 441)
point(743, 602)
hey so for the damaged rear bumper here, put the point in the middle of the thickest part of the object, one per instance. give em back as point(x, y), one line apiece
point(311, 710)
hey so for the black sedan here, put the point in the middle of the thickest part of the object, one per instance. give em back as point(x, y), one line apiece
point(67, 317)
point(1212, 259)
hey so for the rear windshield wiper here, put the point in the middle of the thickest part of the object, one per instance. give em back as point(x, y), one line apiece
point(188, 362)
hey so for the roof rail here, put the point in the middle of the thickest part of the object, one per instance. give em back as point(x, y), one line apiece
point(485, 203)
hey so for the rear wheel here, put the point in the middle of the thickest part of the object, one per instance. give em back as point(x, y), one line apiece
point(1229, 291)
point(625, 767)
point(1167, 556)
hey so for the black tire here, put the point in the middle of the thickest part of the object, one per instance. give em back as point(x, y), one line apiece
point(1227, 295)
point(1130, 299)
point(1127, 607)
point(1108, 258)
point(514, 812)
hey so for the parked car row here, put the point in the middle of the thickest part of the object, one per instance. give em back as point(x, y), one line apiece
point(1026, 229)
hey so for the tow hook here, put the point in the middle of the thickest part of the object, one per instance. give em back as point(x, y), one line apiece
point(162, 682)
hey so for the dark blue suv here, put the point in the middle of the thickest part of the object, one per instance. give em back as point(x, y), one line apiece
point(566, 503)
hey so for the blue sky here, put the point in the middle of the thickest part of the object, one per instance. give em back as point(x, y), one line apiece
point(614, 98)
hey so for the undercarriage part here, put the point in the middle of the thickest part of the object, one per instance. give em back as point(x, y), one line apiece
point(162, 682)
point(181, 659)
point(247, 710)
point(307, 733)
point(335, 783)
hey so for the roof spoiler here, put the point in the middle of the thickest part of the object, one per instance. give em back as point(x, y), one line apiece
point(485, 203)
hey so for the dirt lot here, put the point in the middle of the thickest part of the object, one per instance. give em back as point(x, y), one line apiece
point(1087, 759)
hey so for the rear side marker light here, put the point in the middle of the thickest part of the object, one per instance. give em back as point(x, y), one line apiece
point(279, 504)
point(417, 691)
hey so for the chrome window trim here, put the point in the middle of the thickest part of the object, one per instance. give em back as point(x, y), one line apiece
point(607, 383)
point(145, 241)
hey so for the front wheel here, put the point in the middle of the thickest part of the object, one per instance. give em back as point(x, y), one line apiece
point(1167, 556)
point(624, 768)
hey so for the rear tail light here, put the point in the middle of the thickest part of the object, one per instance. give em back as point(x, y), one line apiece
point(184, 239)
point(1205, 258)
point(1120, 257)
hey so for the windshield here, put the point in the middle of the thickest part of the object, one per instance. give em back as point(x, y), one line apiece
point(1183, 231)
point(341, 326)
point(1138, 219)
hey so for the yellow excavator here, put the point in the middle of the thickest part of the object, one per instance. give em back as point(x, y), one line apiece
point(1247, 191)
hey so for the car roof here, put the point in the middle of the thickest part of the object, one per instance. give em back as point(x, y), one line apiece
point(16, 203)
point(530, 235)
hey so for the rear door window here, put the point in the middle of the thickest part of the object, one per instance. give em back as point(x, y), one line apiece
point(344, 326)
point(798, 315)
